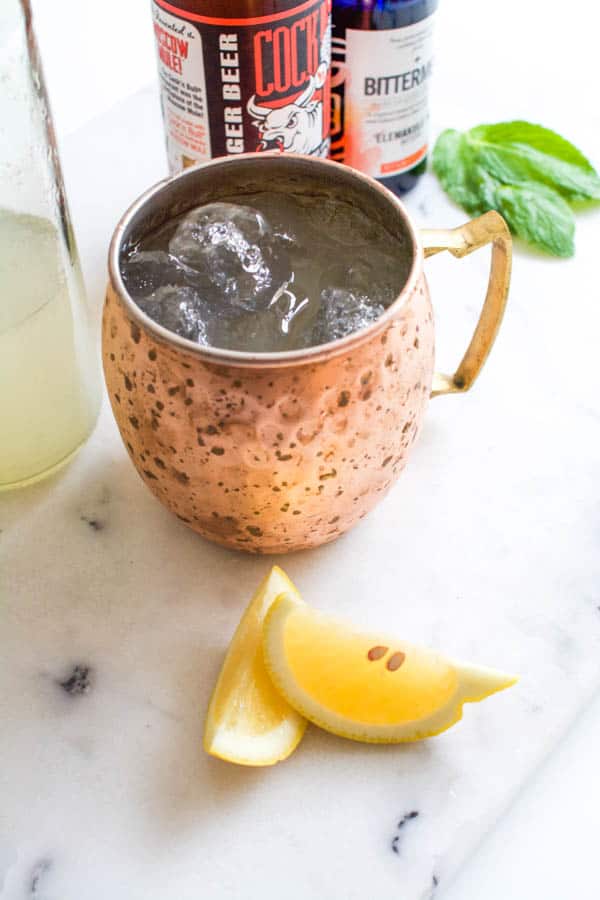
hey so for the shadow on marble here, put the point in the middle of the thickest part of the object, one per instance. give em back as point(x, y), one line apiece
point(17, 503)
point(190, 788)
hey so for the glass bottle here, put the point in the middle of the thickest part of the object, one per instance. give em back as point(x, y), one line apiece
point(49, 371)
point(243, 75)
point(381, 67)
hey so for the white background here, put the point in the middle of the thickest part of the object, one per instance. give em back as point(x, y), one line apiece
point(94, 55)
point(98, 53)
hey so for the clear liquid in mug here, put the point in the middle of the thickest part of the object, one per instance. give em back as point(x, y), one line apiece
point(270, 272)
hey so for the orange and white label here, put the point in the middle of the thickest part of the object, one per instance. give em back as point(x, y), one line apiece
point(401, 165)
point(229, 85)
point(184, 97)
point(386, 87)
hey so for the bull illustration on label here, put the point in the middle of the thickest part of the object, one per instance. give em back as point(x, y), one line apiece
point(298, 126)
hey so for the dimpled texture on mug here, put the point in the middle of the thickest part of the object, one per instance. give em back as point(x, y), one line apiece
point(275, 460)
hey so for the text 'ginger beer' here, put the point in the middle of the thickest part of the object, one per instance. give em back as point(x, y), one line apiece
point(243, 75)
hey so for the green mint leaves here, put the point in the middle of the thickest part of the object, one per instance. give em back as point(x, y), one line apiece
point(528, 173)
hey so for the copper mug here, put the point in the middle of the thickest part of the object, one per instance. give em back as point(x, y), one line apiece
point(274, 452)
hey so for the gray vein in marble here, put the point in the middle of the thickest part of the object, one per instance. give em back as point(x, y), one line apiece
point(78, 681)
point(433, 889)
point(37, 874)
point(163, 711)
point(407, 817)
point(81, 679)
point(135, 697)
point(92, 508)
point(95, 523)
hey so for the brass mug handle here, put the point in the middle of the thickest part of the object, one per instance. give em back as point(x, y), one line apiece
point(489, 228)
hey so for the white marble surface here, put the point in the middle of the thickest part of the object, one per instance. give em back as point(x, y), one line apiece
point(486, 548)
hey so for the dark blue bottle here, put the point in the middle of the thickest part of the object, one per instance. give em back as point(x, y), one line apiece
point(381, 68)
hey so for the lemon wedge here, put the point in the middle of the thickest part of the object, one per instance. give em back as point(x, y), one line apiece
point(366, 687)
point(248, 721)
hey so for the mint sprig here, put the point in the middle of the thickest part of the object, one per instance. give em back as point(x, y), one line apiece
point(528, 173)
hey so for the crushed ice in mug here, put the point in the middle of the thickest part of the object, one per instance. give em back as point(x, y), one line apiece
point(341, 312)
point(275, 272)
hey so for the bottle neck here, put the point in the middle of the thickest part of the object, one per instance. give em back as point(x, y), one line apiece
point(384, 13)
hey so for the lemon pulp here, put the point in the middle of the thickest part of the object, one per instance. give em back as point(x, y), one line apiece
point(366, 687)
point(248, 721)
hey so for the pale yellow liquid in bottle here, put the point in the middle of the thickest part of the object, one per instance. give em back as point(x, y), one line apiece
point(49, 388)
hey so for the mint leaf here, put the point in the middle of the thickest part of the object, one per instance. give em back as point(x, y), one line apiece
point(484, 184)
point(518, 153)
point(452, 165)
point(526, 172)
point(468, 183)
point(538, 215)
point(536, 137)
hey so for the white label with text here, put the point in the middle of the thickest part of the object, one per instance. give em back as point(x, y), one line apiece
point(386, 85)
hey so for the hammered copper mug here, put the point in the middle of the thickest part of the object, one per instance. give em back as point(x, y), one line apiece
point(275, 452)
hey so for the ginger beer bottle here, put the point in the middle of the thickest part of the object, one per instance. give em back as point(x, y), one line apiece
point(243, 75)
point(382, 61)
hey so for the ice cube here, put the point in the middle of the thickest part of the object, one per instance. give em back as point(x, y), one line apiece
point(233, 247)
point(287, 305)
point(216, 223)
point(145, 271)
point(272, 272)
point(241, 278)
point(343, 312)
point(370, 278)
point(270, 330)
point(181, 310)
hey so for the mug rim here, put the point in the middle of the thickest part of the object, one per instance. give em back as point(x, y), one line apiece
point(217, 355)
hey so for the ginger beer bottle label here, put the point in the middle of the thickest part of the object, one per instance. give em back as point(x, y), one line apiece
point(385, 75)
point(231, 86)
